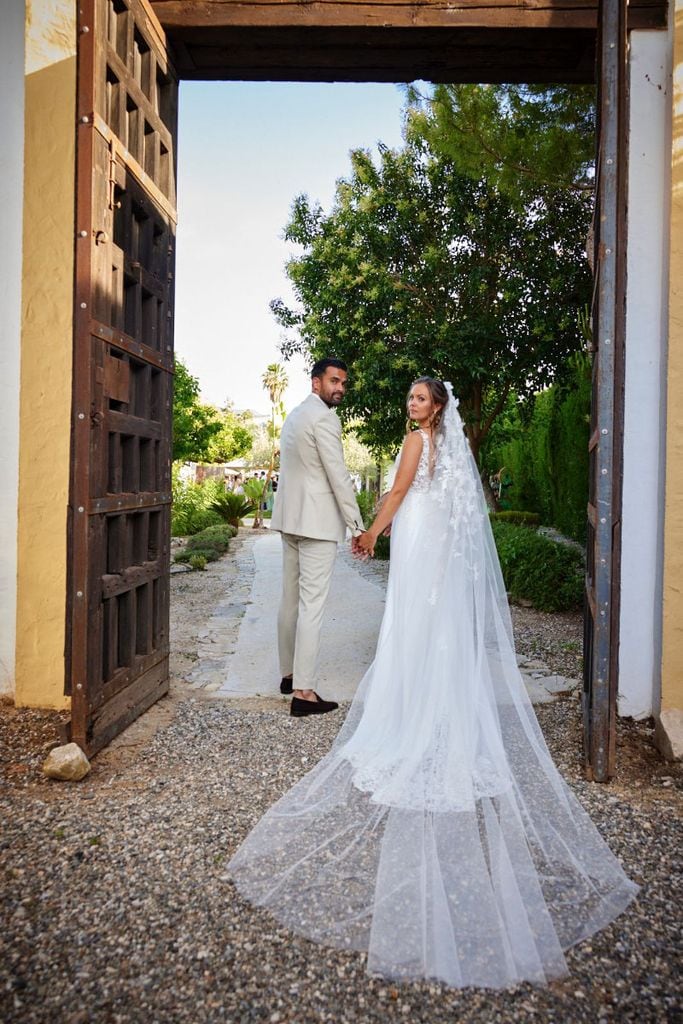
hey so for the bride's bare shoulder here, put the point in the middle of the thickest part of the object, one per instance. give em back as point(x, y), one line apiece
point(413, 440)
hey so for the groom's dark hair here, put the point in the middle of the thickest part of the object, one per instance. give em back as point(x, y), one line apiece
point(322, 364)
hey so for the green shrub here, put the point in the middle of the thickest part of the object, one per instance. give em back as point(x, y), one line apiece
point(209, 544)
point(544, 451)
point(191, 509)
point(517, 518)
point(383, 548)
point(367, 503)
point(210, 554)
point(232, 507)
point(537, 569)
point(218, 537)
point(197, 560)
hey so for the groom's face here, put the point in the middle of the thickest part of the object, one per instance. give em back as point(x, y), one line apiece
point(331, 387)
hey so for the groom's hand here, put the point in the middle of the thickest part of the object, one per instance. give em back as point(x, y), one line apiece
point(356, 550)
point(364, 545)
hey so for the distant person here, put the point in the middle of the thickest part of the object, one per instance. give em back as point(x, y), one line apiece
point(314, 505)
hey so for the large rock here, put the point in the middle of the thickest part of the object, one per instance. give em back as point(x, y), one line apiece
point(67, 763)
point(536, 691)
point(559, 684)
point(669, 733)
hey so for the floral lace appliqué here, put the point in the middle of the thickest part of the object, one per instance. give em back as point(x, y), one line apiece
point(423, 477)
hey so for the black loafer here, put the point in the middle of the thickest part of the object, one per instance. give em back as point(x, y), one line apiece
point(300, 708)
point(286, 684)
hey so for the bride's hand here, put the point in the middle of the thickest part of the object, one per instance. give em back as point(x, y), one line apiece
point(365, 544)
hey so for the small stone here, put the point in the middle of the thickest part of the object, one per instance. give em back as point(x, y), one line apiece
point(669, 733)
point(67, 763)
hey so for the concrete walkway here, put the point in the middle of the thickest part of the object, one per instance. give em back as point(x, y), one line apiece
point(248, 667)
point(237, 652)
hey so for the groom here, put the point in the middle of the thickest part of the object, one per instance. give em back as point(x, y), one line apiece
point(314, 504)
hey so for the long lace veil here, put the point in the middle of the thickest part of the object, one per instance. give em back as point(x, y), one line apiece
point(437, 835)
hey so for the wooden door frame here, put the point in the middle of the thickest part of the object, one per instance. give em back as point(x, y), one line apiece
point(101, 707)
point(285, 24)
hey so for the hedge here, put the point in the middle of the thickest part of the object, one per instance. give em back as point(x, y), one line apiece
point(549, 574)
point(546, 456)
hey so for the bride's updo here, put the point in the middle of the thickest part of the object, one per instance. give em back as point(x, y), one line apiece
point(439, 396)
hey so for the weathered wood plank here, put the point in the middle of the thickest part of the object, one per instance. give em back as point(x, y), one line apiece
point(391, 40)
point(121, 502)
point(219, 14)
point(134, 426)
point(129, 703)
point(141, 101)
point(401, 55)
point(132, 576)
point(126, 343)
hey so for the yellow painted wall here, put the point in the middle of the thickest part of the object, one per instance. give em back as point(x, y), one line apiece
point(672, 639)
point(46, 351)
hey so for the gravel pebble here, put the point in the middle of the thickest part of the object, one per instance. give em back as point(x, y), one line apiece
point(117, 908)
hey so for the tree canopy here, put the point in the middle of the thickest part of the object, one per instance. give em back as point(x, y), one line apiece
point(421, 268)
point(203, 433)
point(235, 437)
point(519, 137)
point(194, 424)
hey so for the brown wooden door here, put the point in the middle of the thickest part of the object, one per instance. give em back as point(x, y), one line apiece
point(601, 632)
point(119, 525)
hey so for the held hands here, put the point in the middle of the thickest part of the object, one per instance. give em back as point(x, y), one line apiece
point(363, 545)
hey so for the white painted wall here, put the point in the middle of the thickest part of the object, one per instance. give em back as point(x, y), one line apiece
point(645, 390)
point(11, 204)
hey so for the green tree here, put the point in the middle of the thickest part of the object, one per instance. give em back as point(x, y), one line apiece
point(519, 137)
point(235, 438)
point(194, 425)
point(275, 382)
point(420, 268)
point(357, 457)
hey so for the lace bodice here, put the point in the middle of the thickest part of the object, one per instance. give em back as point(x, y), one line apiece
point(423, 477)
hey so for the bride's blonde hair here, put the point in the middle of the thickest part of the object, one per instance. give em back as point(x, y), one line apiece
point(439, 396)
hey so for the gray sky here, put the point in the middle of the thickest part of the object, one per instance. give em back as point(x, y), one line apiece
point(245, 151)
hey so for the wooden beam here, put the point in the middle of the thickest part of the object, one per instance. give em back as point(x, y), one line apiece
point(535, 41)
point(177, 15)
point(389, 55)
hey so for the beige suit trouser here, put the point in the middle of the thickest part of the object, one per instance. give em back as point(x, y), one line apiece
point(307, 566)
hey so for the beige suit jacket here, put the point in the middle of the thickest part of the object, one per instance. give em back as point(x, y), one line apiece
point(315, 496)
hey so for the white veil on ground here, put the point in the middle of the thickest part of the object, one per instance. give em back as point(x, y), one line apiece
point(437, 835)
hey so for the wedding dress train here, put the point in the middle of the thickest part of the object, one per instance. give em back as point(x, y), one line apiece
point(437, 834)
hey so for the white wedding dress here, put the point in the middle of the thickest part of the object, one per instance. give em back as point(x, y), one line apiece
point(437, 835)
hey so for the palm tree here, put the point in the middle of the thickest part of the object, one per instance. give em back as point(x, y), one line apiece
point(275, 382)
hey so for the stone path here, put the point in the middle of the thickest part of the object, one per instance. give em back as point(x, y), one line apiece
point(237, 653)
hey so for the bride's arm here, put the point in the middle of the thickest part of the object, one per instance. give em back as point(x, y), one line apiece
point(407, 468)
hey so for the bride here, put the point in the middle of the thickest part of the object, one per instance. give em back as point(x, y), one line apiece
point(437, 835)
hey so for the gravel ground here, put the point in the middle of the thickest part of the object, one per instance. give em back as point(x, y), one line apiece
point(116, 907)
